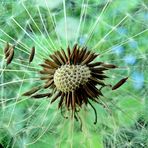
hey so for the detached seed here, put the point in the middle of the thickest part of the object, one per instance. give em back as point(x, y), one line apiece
point(121, 82)
point(32, 54)
point(6, 48)
point(10, 56)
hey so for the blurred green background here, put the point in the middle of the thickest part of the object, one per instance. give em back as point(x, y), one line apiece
point(117, 30)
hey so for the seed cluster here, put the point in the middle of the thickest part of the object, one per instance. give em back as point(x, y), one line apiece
point(69, 77)
point(74, 78)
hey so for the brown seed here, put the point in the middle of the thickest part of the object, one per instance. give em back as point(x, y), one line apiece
point(37, 96)
point(6, 47)
point(89, 91)
point(51, 63)
point(82, 53)
point(10, 56)
point(56, 96)
point(69, 99)
point(68, 51)
point(76, 56)
point(61, 100)
point(93, 57)
point(7, 51)
point(86, 55)
point(48, 77)
point(121, 82)
point(47, 71)
point(109, 66)
point(77, 100)
point(64, 56)
point(55, 58)
point(49, 83)
point(72, 56)
point(32, 54)
point(50, 71)
point(89, 56)
point(97, 81)
point(60, 57)
point(45, 66)
point(96, 91)
point(99, 76)
point(95, 64)
point(32, 91)
point(73, 100)
point(98, 69)
point(65, 98)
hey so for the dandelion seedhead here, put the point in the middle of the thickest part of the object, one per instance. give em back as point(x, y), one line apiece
point(74, 78)
point(58, 78)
